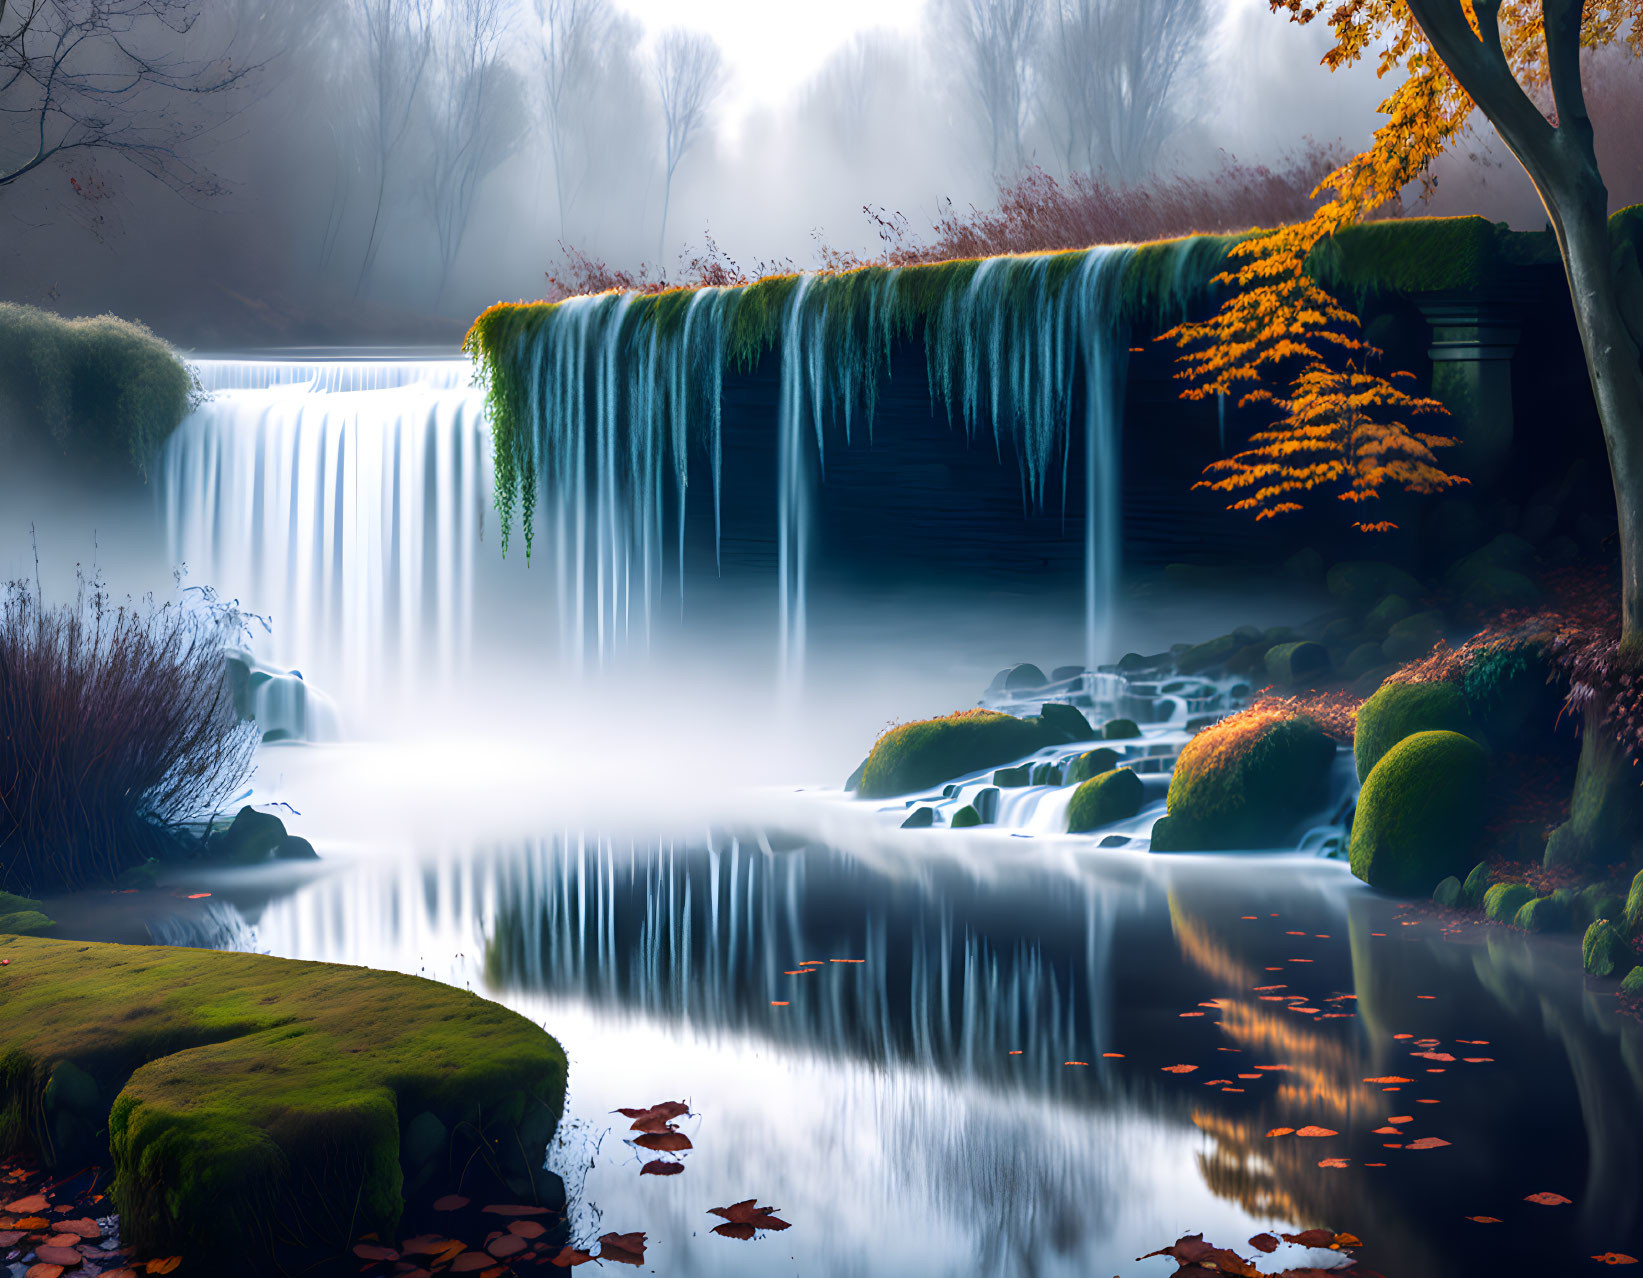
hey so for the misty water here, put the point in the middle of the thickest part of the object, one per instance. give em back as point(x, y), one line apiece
point(609, 798)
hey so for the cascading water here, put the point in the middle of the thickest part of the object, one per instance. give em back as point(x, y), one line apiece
point(344, 502)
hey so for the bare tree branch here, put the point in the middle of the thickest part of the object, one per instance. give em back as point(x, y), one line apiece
point(690, 76)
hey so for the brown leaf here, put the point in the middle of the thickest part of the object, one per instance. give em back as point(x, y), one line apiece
point(1311, 1238)
point(1264, 1243)
point(425, 1245)
point(526, 1229)
point(1615, 1258)
point(505, 1245)
point(451, 1202)
point(624, 1249)
point(44, 1271)
point(470, 1262)
point(1426, 1142)
point(570, 1256)
point(1390, 1080)
point(1191, 1251)
point(374, 1251)
point(1315, 1131)
point(661, 1167)
point(1179, 1069)
point(165, 1266)
point(748, 1212)
point(1485, 1220)
point(82, 1227)
point(655, 1119)
point(67, 1257)
point(664, 1142)
point(1281, 1131)
point(1546, 1199)
point(27, 1206)
point(1333, 1162)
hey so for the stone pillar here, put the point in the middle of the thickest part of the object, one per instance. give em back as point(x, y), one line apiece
point(1473, 340)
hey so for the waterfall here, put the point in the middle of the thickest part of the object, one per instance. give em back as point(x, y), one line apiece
point(343, 501)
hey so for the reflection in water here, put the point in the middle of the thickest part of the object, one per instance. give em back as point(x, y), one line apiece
point(915, 1111)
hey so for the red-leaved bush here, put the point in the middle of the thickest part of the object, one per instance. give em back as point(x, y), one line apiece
point(117, 727)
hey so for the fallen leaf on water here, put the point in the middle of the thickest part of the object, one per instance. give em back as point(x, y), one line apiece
point(526, 1229)
point(656, 1117)
point(1389, 1080)
point(1179, 1069)
point(775, 1003)
point(1112, 1056)
point(1184, 1014)
point(746, 1214)
point(1479, 1060)
point(664, 1142)
point(1281, 1131)
point(569, 1256)
point(164, 1266)
point(800, 971)
point(1311, 1238)
point(44, 1271)
point(1485, 1220)
point(624, 1249)
point(742, 1233)
point(1547, 1199)
point(1333, 1162)
point(375, 1251)
point(1401, 1118)
point(660, 1167)
point(505, 1245)
point(1615, 1258)
point(1271, 1067)
point(1426, 1142)
point(1264, 1243)
point(1315, 1131)
point(451, 1202)
point(83, 1227)
point(1075, 1063)
point(471, 1262)
point(847, 960)
point(27, 1206)
point(1193, 1251)
point(198, 896)
point(1385, 1131)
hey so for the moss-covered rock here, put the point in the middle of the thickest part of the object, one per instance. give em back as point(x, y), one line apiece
point(1632, 914)
point(1046, 774)
point(1025, 677)
point(1502, 901)
point(1604, 951)
point(252, 837)
point(1447, 893)
point(1112, 796)
point(1478, 881)
point(1490, 578)
point(1069, 721)
point(1092, 763)
point(920, 818)
point(1543, 914)
point(1013, 778)
point(1207, 655)
point(1297, 665)
point(1386, 614)
point(1631, 984)
point(1399, 710)
point(1606, 810)
point(1420, 813)
point(1361, 660)
point(1120, 730)
point(1514, 696)
point(248, 1099)
point(965, 817)
point(20, 916)
point(1414, 637)
point(1245, 782)
point(1359, 583)
point(917, 756)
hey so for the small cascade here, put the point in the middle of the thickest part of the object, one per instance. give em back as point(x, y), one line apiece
point(343, 501)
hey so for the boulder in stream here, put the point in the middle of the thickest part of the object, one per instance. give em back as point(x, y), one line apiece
point(1420, 813)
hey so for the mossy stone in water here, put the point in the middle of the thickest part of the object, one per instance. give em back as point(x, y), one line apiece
point(1604, 951)
point(254, 836)
point(965, 817)
point(1632, 915)
point(1399, 710)
point(917, 756)
point(259, 1099)
point(1014, 778)
point(1632, 984)
point(920, 818)
point(1297, 665)
point(1112, 796)
point(1092, 763)
point(1067, 720)
point(21, 916)
point(1207, 655)
point(1447, 893)
point(1420, 813)
point(1120, 729)
point(1245, 782)
point(1477, 883)
point(1543, 914)
point(1502, 902)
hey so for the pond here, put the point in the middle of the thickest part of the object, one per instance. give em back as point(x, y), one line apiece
point(962, 1052)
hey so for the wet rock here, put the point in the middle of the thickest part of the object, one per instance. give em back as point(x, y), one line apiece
point(1387, 613)
point(1207, 655)
point(1067, 721)
point(1304, 567)
point(1420, 813)
point(1090, 764)
point(920, 818)
point(1046, 774)
point(1022, 678)
point(965, 817)
point(1543, 914)
point(1120, 730)
point(1361, 660)
point(986, 804)
point(1297, 665)
point(1399, 710)
point(1447, 893)
point(1502, 902)
point(1112, 796)
point(1014, 778)
point(254, 836)
point(1478, 882)
point(295, 848)
point(1603, 950)
point(1062, 674)
point(1414, 637)
point(1358, 584)
point(918, 756)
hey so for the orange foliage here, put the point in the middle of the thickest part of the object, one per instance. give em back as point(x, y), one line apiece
point(1277, 316)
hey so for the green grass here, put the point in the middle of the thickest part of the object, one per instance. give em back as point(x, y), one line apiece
point(251, 1102)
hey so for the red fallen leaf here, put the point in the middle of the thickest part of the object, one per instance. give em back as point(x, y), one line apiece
point(27, 1206)
point(1191, 1250)
point(1311, 1238)
point(451, 1202)
point(1281, 1131)
point(164, 1266)
point(1478, 1060)
point(1112, 1056)
point(1271, 1067)
point(656, 1118)
point(505, 1245)
point(747, 1212)
point(513, 1209)
point(1389, 1080)
point(1179, 1069)
point(1433, 1056)
point(67, 1257)
point(374, 1251)
point(569, 1256)
point(1264, 1243)
point(471, 1262)
point(624, 1249)
point(82, 1227)
point(1547, 1199)
point(1333, 1162)
point(198, 896)
point(424, 1245)
point(526, 1229)
point(30, 1224)
point(10, 1237)
point(44, 1271)
point(1426, 1142)
point(1387, 1131)
point(1485, 1220)
point(1315, 1131)
point(1615, 1258)
point(740, 1232)
point(664, 1142)
point(1401, 1118)
point(661, 1167)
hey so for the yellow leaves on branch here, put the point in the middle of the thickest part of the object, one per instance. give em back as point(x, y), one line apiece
point(1347, 428)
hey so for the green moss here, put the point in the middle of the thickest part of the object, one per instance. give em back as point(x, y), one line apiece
point(1296, 665)
point(1603, 950)
point(1386, 614)
point(1502, 902)
point(1419, 813)
point(1399, 710)
point(1447, 893)
point(1408, 255)
point(1207, 655)
point(1513, 696)
point(1632, 984)
point(258, 1100)
point(916, 756)
point(1414, 637)
point(101, 389)
point(965, 817)
point(1244, 783)
point(1091, 763)
point(1112, 796)
point(1633, 913)
point(1477, 883)
point(1543, 914)
point(1120, 730)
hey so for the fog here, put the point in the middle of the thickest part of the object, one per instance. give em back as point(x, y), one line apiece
point(379, 170)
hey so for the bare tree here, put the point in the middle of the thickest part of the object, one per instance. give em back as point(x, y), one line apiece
point(690, 76)
point(475, 118)
point(398, 42)
point(852, 91)
point(992, 42)
point(1112, 74)
point(83, 77)
point(575, 35)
